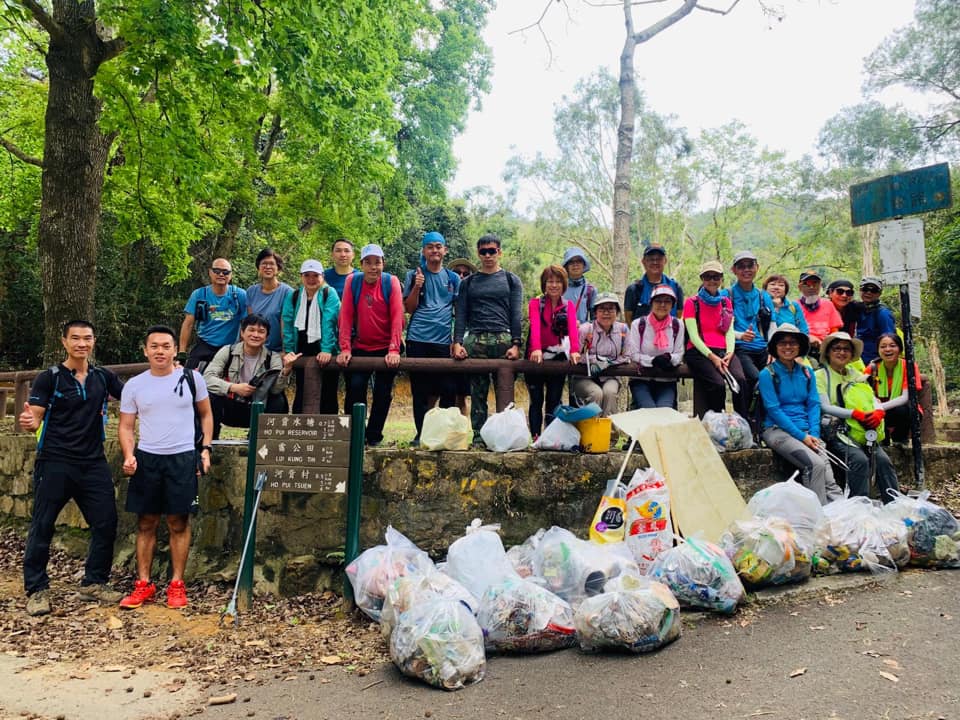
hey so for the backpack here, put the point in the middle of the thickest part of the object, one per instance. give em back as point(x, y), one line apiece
point(642, 326)
point(764, 314)
point(262, 382)
point(201, 313)
point(696, 311)
point(386, 286)
point(452, 279)
point(54, 371)
point(858, 396)
point(559, 323)
point(191, 382)
point(757, 409)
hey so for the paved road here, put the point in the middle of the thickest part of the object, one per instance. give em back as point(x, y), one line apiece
point(736, 668)
point(721, 668)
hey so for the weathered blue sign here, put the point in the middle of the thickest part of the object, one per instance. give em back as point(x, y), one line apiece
point(907, 193)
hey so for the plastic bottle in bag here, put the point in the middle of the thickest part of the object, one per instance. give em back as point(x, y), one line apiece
point(608, 525)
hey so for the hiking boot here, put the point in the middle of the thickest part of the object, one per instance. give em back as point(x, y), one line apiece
point(38, 603)
point(100, 592)
point(176, 594)
point(143, 591)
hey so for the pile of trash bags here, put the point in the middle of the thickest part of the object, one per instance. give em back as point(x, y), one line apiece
point(624, 590)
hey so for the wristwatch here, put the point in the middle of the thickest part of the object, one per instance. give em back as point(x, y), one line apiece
point(516, 342)
point(208, 448)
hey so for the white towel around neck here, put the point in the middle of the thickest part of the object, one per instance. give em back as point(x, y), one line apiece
point(300, 322)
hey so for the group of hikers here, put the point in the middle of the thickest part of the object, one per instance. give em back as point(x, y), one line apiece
point(816, 376)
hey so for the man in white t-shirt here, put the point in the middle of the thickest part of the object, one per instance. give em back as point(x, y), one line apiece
point(164, 466)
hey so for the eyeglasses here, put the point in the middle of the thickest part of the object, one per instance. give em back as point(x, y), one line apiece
point(220, 271)
point(745, 265)
point(844, 291)
point(486, 252)
point(462, 273)
point(841, 348)
point(711, 277)
point(788, 343)
point(606, 308)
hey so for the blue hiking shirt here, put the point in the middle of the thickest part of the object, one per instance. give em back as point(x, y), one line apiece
point(792, 403)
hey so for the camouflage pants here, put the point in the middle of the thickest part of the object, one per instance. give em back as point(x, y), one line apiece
point(484, 345)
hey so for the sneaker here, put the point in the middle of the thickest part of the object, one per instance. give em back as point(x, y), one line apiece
point(38, 603)
point(143, 591)
point(100, 593)
point(176, 594)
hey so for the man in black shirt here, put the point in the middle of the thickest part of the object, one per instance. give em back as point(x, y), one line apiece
point(68, 404)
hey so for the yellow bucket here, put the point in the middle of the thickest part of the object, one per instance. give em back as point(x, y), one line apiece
point(595, 435)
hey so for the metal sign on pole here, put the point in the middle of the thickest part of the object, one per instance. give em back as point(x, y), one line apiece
point(907, 193)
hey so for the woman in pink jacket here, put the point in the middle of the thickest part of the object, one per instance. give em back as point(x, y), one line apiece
point(553, 338)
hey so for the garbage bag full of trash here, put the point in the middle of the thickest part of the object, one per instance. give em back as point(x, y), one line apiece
point(933, 533)
point(372, 572)
point(575, 569)
point(633, 614)
point(478, 560)
point(440, 642)
point(728, 431)
point(765, 551)
point(860, 536)
point(520, 616)
point(699, 574)
point(410, 590)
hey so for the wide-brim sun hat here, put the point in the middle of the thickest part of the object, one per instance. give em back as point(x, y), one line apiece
point(788, 330)
point(840, 335)
point(462, 261)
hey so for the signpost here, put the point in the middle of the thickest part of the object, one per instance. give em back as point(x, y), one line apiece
point(308, 454)
point(903, 254)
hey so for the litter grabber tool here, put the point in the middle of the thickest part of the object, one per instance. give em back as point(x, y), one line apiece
point(231, 609)
point(835, 459)
point(871, 438)
point(730, 380)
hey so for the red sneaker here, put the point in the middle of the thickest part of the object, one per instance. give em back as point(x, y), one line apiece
point(143, 591)
point(176, 594)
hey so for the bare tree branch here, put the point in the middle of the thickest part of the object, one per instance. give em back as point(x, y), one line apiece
point(44, 20)
point(20, 154)
point(676, 16)
point(719, 11)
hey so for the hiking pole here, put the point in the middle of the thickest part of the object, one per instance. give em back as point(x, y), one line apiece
point(871, 438)
point(231, 608)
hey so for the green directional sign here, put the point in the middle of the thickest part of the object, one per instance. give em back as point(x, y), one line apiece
point(908, 193)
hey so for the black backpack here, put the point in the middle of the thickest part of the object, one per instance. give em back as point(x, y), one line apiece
point(191, 382)
point(757, 410)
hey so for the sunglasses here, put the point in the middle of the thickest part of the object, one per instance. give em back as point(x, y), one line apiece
point(744, 266)
point(844, 291)
point(486, 252)
point(220, 271)
point(462, 273)
point(869, 289)
point(712, 277)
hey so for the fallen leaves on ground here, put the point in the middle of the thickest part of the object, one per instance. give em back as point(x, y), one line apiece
point(267, 644)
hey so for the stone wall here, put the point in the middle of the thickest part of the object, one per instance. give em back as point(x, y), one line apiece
point(429, 497)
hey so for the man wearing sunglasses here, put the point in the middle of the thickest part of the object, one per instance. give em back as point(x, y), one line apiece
point(215, 310)
point(875, 319)
point(488, 322)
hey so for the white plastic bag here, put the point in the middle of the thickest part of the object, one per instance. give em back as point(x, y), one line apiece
point(506, 431)
point(933, 533)
point(633, 614)
point(796, 504)
point(445, 429)
point(860, 536)
point(649, 529)
point(699, 574)
point(765, 551)
point(520, 616)
point(728, 431)
point(439, 642)
point(410, 590)
point(478, 559)
point(375, 569)
point(558, 435)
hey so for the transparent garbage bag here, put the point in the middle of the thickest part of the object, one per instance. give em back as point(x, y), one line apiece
point(523, 556)
point(699, 574)
point(933, 533)
point(445, 429)
point(376, 568)
point(506, 431)
point(520, 616)
point(728, 431)
point(860, 536)
point(766, 551)
point(478, 560)
point(575, 569)
point(633, 614)
point(800, 507)
point(440, 642)
point(410, 590)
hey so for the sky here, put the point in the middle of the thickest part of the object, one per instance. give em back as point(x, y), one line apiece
point(783, 79)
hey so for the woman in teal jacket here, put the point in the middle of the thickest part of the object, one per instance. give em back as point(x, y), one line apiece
point(309, 319)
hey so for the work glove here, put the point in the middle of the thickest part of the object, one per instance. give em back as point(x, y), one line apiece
point(860, 416)
point(662, 362)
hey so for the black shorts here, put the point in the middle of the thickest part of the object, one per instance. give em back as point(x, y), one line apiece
point(164, 484)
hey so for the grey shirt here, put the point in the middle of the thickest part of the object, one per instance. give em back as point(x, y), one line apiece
point(490, 303)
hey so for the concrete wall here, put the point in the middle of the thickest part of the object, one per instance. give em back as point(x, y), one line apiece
point(429, 497)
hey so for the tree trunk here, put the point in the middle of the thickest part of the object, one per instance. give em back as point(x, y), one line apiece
point(939, 376)
point(74, 160)
point(623, 173)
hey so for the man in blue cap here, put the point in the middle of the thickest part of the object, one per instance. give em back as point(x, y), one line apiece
point(579, 290)
point(429, 293)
